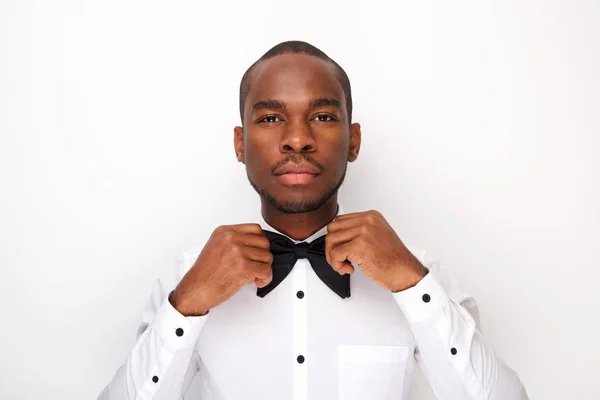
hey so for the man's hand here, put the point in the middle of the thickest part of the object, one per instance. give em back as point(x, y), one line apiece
point(367, 240)
point(233, 256)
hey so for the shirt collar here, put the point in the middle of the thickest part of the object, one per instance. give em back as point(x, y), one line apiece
point(317, 234)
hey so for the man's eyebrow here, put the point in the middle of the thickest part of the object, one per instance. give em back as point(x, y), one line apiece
point(324, 102)
point(268, 104)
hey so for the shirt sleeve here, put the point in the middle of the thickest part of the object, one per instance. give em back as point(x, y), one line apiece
point(450, 349)
point(163, 361)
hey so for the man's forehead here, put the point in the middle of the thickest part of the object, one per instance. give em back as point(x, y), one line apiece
point(294, 73)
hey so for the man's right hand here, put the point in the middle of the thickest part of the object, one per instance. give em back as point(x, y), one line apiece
point(233, 256)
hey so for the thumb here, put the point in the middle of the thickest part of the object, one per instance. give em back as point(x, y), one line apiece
point(347, 268)
point(260, 283)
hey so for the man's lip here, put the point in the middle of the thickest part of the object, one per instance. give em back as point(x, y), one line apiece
point(303, 168)
point(292, 178)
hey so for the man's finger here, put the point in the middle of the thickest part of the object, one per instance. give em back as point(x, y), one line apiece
point(339, 237)
point(347, 268)
point(251, 228)
point(349, 215)
point(339, 256)
point(344, 223)
point(261, 272)
point(258, 255)
point(252, 240)
point(260, 283)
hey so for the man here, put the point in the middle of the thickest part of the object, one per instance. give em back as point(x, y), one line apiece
point(308, 302)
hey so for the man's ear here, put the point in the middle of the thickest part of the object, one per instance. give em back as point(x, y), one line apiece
point(238, 143)
point(355, 137)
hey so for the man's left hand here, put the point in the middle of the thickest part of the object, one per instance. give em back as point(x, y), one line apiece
point(367, 240)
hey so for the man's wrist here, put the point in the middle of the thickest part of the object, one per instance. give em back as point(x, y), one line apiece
point(177, 304)
point(411, 279)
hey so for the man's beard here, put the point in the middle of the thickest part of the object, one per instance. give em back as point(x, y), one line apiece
point(300, 206)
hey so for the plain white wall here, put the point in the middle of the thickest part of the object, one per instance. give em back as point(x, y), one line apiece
point(480, 140)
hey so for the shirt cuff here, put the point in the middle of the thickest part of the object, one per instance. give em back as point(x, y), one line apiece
point(425, 300)
point(176, 330)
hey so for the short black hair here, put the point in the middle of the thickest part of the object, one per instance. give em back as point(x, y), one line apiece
point(295, 46)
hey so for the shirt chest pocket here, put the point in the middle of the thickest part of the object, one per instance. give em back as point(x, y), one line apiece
point(373, 372)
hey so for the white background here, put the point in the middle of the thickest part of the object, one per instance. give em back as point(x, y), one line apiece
point(480, 139)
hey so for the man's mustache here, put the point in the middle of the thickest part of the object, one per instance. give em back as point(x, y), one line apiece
point(297, 159)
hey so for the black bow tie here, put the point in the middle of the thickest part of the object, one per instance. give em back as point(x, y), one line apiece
point(286, 253)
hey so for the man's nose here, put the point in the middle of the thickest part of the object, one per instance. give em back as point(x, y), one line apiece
point(298, 137)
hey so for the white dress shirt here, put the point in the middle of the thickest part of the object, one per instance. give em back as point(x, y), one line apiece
point(303, 342)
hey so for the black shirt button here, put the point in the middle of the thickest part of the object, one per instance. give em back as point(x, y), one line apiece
point(453, 351)
point(155, 379)
point(300, 359)
point(179, 332)
point(426, 298)
point(300, 294)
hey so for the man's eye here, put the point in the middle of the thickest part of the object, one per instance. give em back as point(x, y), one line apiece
point(270, 118)
point(324, 118)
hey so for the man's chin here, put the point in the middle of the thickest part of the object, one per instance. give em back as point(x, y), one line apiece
point(294, 206)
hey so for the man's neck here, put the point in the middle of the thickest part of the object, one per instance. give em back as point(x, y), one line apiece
point(300, 226)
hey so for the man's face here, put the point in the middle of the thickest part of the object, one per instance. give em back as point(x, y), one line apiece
point(296, 140)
